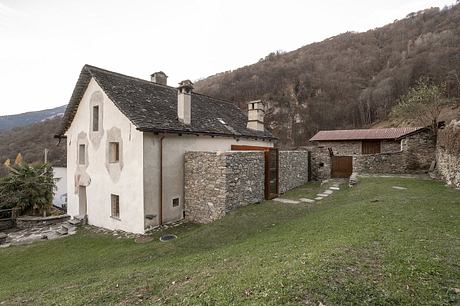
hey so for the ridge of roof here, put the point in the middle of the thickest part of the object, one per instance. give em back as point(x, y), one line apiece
point(362, 134)
point(149, 106)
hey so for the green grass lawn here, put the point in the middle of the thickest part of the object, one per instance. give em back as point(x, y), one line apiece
point(370, 244)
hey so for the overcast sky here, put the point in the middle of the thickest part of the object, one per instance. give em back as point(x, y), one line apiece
point(45, 43)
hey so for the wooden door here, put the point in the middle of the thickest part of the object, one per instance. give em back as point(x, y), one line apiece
point(342, 166)
point(271, 174)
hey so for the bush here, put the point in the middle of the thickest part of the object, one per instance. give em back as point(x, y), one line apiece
point(30, 188)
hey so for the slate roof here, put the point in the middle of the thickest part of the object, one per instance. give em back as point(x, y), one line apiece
point(152, 107)
point(365, 134)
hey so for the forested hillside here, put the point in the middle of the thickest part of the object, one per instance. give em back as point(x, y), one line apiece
point(347, 81)
point(31, 142)
point(11, 121)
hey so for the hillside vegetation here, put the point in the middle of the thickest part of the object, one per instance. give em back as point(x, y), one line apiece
point(350, 80)
point(369, 245)
point(9, 122)
point(31, 142)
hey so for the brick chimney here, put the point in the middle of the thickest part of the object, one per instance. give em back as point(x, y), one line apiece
point(256, 113)
point(159, 77)
point(184, 101)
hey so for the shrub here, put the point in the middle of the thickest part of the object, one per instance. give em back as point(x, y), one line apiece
point(28, 187)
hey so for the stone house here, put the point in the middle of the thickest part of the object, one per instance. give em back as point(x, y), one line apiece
point(126, 140)
point(338, 153)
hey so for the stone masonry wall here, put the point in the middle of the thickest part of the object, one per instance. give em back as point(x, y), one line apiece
point(448, 167)
point(293, 169)
point(320, 164)
point(420, 150)
point(205, 186)
point(245, 178)
point(389, 163)
point(217, 182)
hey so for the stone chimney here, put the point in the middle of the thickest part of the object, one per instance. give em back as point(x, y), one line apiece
point(159, 77)
point(184, 101)
point(256, 113)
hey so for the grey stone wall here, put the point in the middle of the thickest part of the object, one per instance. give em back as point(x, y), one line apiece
point(293, 169)
point(245, 178)
point(448, 167)
point(320, 164)
point(217, 182)
point(420, 150)
point(354, 147)
point(389, 163)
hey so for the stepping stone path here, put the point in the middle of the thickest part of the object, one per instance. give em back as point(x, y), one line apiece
point(286, 201)
point(318, 197)
point(399, 187)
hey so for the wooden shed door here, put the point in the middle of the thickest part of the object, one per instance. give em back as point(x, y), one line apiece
point(342, 166)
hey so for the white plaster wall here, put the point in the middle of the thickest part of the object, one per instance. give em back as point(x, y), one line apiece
point(174, 148)
point(60, 173)
point(128, 184)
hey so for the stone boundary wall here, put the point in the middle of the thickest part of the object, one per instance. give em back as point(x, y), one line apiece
point(448, 167)
point(320, 164)
point(387, 163)
point(293, 169)
point(217, 182)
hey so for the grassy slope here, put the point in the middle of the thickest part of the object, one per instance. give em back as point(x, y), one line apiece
point(368, 245)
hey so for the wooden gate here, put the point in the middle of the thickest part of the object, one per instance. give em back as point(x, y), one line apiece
point(271, 174)
point(342, 166)
point(271, 168)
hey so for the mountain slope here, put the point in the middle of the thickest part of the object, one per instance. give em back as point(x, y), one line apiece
point(11, 121)
point(31, 141)
point(347, 81)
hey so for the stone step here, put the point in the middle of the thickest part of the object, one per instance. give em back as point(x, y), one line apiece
point(68, 226)
point(62, 231)
point(328, 191)
point(318, 198)
point(305, 200)
point(334, 188)
point(74, 222)
point(322, 195)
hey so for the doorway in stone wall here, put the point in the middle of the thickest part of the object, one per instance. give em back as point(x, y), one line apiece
point(271, 157)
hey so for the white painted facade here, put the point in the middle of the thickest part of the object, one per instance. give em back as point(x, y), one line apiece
point(60, 195)
point(136, 177)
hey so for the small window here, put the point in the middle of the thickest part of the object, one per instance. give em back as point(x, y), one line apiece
point(95, 118)
point(82, 154)
point(252, 105)
point(175, 202)
point(114, 152)
point(115, 199)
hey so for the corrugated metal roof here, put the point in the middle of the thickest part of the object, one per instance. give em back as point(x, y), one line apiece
point(390, 133)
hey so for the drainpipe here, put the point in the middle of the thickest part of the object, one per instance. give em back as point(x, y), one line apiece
point(161, 181)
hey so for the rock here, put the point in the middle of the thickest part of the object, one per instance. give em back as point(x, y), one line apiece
point(353, 179)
